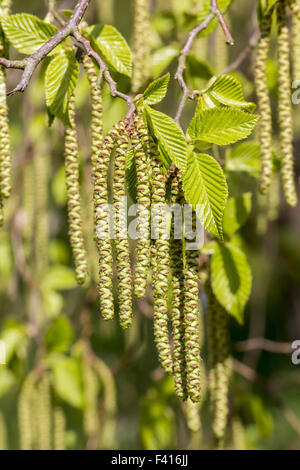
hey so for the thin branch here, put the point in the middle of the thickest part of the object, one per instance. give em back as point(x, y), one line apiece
point(103, 67)
point(263, 344)
point(29, 64)
point(244, 53)
point(214, 12)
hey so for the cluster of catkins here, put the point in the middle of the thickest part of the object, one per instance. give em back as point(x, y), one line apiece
point(177, 320)
point(41, 427)
point(284, 98)
point(162, 256)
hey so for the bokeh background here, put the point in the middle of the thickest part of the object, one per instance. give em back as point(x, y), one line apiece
point(73, 381)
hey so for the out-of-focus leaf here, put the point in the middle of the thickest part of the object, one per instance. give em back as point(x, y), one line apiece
point(236, 213)
point(59, 336)
point(67, 380)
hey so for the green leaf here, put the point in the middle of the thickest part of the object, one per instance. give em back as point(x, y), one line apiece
point(59, 277)
point(162, 58)
point(114, 47)
point(228, 91)
point(170, 137)
point(244, 157)
point(27, 33)
point(231, 278)
point(59, 336)
point(60, 81)
point(157, 90)
point(236, 213)
point(67, 380)
point(131, 173)
point(205, 188)
point(221, 126)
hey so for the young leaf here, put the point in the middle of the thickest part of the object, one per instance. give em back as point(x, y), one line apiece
point(236, 213)
point(244, 157)
point(157, 90)
point(60, 80)
point(228, 91)
point(170, 137)
point(27, 33)
point(114, 47)
point(221, 126)
point(231, 278)
point(206, 189)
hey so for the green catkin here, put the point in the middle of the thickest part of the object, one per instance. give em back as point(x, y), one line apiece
point(121, 243)
point(221, 49)
point(90, 417)
point(101, 151)
point(59, 429)
point(73, 197)
point(108, 425)
point(192, 323)
point(273, 205)
point(264, 104)
point(219, 365)
point(160, 268)
point(139, 136)
point(25, 413)
point(238, 434)
point(40, 168)
point(3, 433)
point(29, 209)
point(44, 417)
point(141, 44)
point(285, 107)
point(5, 150)
point(177, 317)
point(296, 39)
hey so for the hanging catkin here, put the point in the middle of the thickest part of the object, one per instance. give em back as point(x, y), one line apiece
point(139, 139)
point(101, 151)
point(141, 45)
point(192, 320)
point(160, 265)
point(73, 196)
point(296, 39)
point(59, 429)
point(108, 426)
point(5, 151)
point(40, 216)
point(177, 317)
point(121, 242)
point(29, 209)
point(44, 414)
point(90, 416)
point(264, 104)
point(25, 408)
point(3, 433)
point(219, 364)
point(285, 107)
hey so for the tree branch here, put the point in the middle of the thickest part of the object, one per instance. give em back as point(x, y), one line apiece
point(214, 12)
point(30, 63)
point(264, 344)
point(103, 67)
